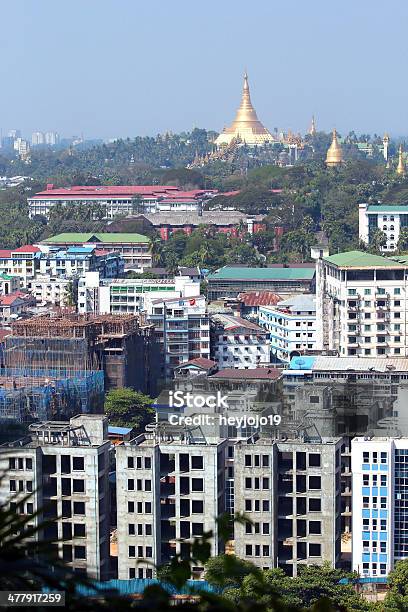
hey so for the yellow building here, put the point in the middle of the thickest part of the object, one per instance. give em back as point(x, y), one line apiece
point(334, 155)
point(401, 164)
point(246, 125)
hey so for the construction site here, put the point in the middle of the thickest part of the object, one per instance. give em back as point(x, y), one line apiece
point(56, 366)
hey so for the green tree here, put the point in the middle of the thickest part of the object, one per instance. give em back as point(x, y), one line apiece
point(128, 408)
point(402, 244)
point(397, 596)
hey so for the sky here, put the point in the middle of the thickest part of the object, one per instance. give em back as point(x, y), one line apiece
point(119, 68)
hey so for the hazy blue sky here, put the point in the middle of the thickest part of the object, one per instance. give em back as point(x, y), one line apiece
point(113, 68)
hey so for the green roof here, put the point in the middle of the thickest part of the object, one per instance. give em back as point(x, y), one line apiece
point(390, 208)
point(6, 276)
point(360, 259)
point(236, 273)
point(75, 237)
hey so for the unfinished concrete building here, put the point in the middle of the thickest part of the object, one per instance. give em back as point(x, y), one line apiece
point(291, 492)
point(170, 489)
point(65, 466)
point(123, 346)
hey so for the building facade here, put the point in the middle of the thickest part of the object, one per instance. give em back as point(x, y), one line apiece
point(65, 466)
point(168, 492)
point(361, 305)
point(390, 219)
point(121, 199)
point(291, 325)
point(380, 504)
point(238, 343)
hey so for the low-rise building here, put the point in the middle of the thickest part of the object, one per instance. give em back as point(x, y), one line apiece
point(120, 199)
point(77, 260)
point(58, 474)
point(238, 343)
point(54, 290)
point(230, 281)
point(9, 284)
point(133, 248)
point(22, 262)
point(291, 325)
point(130, 295)
point(13, 305)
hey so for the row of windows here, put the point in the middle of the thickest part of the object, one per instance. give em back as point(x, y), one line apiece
point(256, 460)
point(18, 463)
point(373, 546)
point(141, 573)
point(375, 456)
point(374, 502)
point(21, 485)
point(256, 550)
point(373, 524)
point(141, 485)
point(374, 569)
point(257, 528)
point(256, 483)
point(375, 480)
point(142, 552)
point(139, 529)
point(141, 507)
point(139, 463)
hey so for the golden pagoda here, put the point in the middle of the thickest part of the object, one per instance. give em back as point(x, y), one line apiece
point(334, 155)
point(401, 165)
point(246, 125)
point(312, 130)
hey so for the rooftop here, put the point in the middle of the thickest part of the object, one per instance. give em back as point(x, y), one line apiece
point(299, 303)
point(360, 364)
point(241, 273)
point(253, 374)
point(210, 217)
point(200, 362)
point(259, 298)
point(114, 238)
point(129, 191)
point(360, 259)
point(231, 323)
point(389, 208)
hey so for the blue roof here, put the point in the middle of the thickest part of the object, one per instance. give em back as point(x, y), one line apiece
point(304, 362)
point(75, 249)
point(119, 430)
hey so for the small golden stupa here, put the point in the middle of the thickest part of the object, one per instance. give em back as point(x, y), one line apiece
point(401, 165)
point(246, 125)
point(312, 130)
point(334, 155)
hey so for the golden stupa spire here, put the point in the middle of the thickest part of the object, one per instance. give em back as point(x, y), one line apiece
point(313, 130)
point(401, 165)
point(334, 155)
point(246, 124)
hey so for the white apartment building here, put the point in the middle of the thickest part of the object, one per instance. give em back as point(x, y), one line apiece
point(169, 490)
point(380, 504)
point(182, 328)
point(132, 296)
point(361, 305)
point(37, 138)
point(388, 218)
point(66, 467)
point(77, 260)
point(22, 262)
point(238, 343)
point(54, 290)
point(291, 325)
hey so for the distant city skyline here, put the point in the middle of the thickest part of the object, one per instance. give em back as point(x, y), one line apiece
point(124, 69)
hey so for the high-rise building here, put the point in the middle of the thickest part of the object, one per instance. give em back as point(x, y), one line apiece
point(65, 468)
point(51, 138)
point(169, 490)
point(361, 305)
point(37, 138)
point(390, 219)
point(291, 493)
point(380, 504)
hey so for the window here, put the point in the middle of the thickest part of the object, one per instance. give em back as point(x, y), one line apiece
point(265, 505)
point(132, 551)
point(78, 464)
point(265, 528)
point(149, 552)
point(197, 484)
point(148, 485)
point(78, 486)
point(131, 462)
point(248, 505)
point(131, 506)
point(314, 482)
point(265, 551)
point(148, 507)
point(197, 506)
point(366, 457)
point(315, 527)
point(397, 291)
point(315, 550)
point(248, 550)
point(12, 485)
point(131, 529)
point(265, 483)
point(79, 508)
point(315, 504)
point(131, 484)
point(265, 460)
point(383, 457)
point(79, 530)
point(314, 459)
point(197, 528)
point(29, 464)
point(197, 463)
point(148, 463)
point(367, 291)
point(79, 552)
point(148, 529)
point(248, 483)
